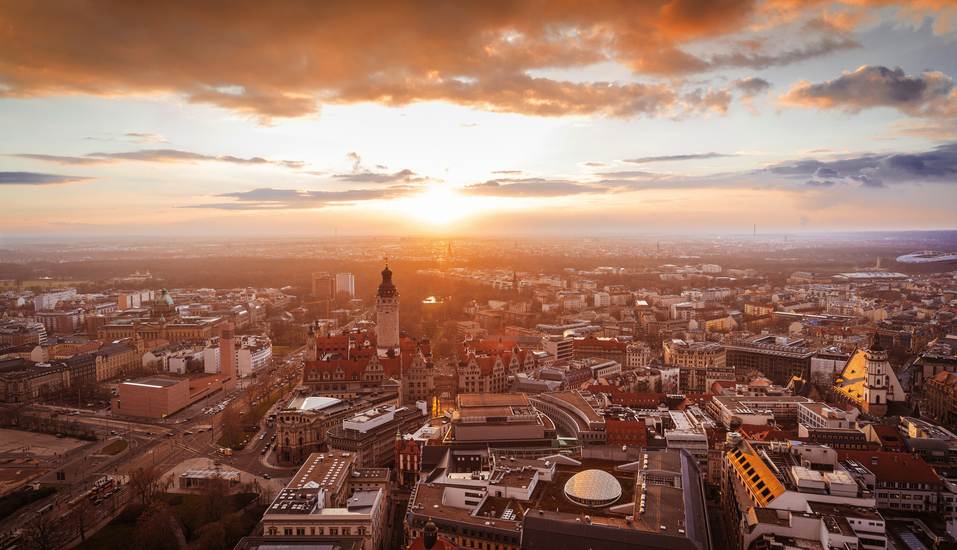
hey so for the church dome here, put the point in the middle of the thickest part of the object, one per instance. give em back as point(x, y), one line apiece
point(387, 288)
point(164, 299)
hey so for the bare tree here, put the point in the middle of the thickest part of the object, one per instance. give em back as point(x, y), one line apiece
point(43, 533)
point(214, 498)
point(212, 536)
point(82, 516)
point(155, 529)
point(232, 426)
point(147, 482)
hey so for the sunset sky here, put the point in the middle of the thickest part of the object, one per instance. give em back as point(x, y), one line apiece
point(476, 118)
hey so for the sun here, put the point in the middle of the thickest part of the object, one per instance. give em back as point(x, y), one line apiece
point(443, 206)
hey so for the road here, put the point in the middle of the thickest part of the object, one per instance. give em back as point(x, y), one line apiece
point(161, 443)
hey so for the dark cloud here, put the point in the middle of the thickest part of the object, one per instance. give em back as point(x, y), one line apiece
point(33, 178)
point(476, 54)
point(529, 188)
point(866, 181)
point(820, 183)
point(932, 94)
point(268, 198)
point(163, 156)
point(670, 158)
point(176, 156)
point(64, 159)
point(750, 87)
point(875, 169)
point(405, 176)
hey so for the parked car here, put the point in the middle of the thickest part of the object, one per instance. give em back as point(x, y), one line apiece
point(187, 432)
point(169, 434)
point(113, 432)
point(265, 476)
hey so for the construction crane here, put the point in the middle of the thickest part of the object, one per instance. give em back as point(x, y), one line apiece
point(323, 301)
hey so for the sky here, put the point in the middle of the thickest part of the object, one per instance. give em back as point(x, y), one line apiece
point(490, 118)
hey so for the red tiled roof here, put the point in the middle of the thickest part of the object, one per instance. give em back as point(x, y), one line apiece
point(893, 467)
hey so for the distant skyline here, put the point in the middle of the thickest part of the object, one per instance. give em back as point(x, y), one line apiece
point(480, 119)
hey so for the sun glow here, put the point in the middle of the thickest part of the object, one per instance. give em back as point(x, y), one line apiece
point(443, 206)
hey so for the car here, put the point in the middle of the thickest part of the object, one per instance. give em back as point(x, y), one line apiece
point(187, 420)
point(273, 438)
point(169, 434)
point(261, 437)
point(201, 430)
point(265, 476)
point(264, 451)
point(113, 432)
point(89, 404)
point(187, 432)
point(150, 433)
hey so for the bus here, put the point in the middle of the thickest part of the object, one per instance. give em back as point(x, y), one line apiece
point(13, 541)
point(97, 492)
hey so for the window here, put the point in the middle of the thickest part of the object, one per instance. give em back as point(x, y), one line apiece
point(346, 531)
point(300, 531)
point(333, 530)
point(287, 531)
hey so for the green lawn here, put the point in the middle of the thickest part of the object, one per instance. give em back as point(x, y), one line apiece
point(115, 447)
point(114, 535)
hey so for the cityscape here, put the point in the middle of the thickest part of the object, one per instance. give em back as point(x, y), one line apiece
point(394, 275)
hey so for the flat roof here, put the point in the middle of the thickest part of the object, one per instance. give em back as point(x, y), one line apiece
point(156, 382)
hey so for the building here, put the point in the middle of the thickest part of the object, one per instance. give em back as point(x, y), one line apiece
point(161, 396)
point(302, 424)
point(322, 501)
point(779, 358)
point(694, 354)
point(755, 410)
point(559, 347)
point(795, 493)
point(370, 435)
point(387, 316)
point(603, 348)
point(49, 300)
point(153, 397)
point(22, 380)
point(346, 283)
point(323, 285)
point(227, 356)
point(868, 381)
point(941, 392)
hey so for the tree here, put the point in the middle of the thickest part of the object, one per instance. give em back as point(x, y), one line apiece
point(155, 529)
point(81, 516)
point(212, 536)
point(43, 533)
point(232, 426)
point(214, 497)
point(147, 482)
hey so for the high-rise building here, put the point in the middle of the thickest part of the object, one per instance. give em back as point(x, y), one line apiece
point(323, 285)
point(345, 282)
point(227, 355)
point(387, 315)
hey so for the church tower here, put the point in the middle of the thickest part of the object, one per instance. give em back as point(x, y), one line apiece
point(877, 381)
point(387, 315)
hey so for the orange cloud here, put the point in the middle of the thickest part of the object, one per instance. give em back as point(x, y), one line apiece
point(286, 59)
